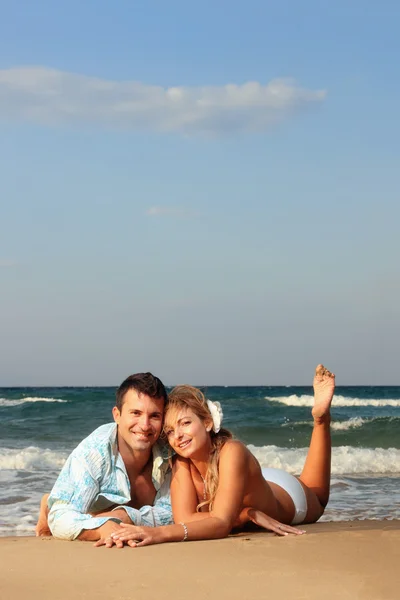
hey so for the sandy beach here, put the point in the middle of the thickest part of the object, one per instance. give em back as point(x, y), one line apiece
point(349, 560)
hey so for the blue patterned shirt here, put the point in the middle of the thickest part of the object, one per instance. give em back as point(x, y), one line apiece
point(94, 478)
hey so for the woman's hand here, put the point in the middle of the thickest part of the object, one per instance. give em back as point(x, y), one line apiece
point(135, 536)
point(263, 520)
point(105, 533)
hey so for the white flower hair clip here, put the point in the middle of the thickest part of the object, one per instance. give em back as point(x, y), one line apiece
point(216, 413)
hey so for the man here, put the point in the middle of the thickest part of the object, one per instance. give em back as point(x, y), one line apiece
point(117, 473)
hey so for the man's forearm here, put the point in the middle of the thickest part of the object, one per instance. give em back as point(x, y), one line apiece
point(89, 535)
point(93, 535)
point(118, 513)
point(69, 524)
point(101, 533)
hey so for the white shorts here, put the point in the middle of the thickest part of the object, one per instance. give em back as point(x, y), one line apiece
point(293, 487)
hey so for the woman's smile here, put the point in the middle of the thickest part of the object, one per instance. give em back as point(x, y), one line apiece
point(184, 444)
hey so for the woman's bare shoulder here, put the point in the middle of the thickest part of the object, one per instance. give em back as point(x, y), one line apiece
point(234, 449)
point(180, 463)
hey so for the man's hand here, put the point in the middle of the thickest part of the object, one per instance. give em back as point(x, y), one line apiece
point(138, 536)
point(105, 532)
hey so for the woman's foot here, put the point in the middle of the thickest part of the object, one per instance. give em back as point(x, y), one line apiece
point(324, 387)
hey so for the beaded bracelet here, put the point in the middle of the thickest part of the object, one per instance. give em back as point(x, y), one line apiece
point(185, 529)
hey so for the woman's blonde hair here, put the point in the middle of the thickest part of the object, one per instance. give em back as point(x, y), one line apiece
point(186, 396)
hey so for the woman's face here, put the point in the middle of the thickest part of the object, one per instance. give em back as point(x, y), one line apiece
point(187, 434)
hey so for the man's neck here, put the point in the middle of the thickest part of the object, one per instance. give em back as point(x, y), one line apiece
point(135, 461)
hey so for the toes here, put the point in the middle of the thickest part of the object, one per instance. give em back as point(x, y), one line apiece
point(322, 372)
point(328, 374)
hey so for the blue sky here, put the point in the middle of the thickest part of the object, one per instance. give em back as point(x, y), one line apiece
point(209, 191)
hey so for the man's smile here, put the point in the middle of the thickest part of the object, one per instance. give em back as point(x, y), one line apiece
point(141, 435)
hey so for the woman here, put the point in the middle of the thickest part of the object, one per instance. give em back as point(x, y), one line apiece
point(218, 484)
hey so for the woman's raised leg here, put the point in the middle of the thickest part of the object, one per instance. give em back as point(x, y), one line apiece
point(316, 474)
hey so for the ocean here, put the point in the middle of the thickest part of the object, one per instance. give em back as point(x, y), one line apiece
point(40, 426)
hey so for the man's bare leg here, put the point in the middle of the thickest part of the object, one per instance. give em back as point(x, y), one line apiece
point(42, 527)
point(316, 473)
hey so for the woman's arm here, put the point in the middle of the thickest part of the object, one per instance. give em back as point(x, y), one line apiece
point(184, 498)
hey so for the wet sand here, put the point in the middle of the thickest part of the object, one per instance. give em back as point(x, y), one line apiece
point(349, 560)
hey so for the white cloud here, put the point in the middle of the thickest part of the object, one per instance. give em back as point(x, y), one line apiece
point(52, 97)
point(169, 211)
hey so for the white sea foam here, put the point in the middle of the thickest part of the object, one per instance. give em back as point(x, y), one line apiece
point(352, 423)
point(346, 460)
point(31, 459)
point(305, 400)
point(18, 401)
point(19, 524)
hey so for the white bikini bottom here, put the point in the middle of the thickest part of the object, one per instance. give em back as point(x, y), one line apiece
point(293, 487)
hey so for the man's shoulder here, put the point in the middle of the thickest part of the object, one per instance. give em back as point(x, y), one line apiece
point(161, 454)
point(102, 438)
point(161, 465)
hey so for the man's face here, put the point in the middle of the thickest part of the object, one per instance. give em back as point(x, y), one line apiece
point(139, 421)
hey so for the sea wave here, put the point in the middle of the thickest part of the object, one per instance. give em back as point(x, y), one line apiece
point(346, 460)
point(352, 423)
point(306, 400)
point(31, 458)
point(19, 401)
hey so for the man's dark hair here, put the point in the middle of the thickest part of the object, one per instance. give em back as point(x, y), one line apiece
point(142, 383)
